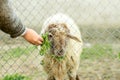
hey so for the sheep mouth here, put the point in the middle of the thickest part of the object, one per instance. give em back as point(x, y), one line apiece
point(59, 53)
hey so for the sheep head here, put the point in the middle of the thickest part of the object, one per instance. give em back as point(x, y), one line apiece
point(59, 35)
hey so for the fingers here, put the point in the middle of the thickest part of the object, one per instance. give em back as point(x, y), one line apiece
point(38, 41)
point(41, 39)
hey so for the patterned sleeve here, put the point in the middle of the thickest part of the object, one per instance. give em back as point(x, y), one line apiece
point(9, 23)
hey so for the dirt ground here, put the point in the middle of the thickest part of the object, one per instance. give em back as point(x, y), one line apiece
point(102, 69)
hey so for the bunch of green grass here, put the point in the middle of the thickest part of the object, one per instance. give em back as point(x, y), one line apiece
point(45, 45)
point(16, 77)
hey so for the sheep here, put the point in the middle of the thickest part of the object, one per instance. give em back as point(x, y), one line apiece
point(65, 39)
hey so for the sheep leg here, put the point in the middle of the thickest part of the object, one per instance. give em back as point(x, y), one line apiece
point(77, 77)
point(71, 77)
point(74, 78)
point(51, 78)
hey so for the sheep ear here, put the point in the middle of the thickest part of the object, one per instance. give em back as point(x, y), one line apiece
point(73, 37)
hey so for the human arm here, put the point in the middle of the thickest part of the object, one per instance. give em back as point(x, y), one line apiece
point(11, 24)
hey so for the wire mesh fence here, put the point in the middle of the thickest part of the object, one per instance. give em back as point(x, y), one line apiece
point(98, 22)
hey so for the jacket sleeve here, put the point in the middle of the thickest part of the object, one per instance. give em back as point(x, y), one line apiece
point(9, 23)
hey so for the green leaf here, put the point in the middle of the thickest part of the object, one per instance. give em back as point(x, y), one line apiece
point(46, 45)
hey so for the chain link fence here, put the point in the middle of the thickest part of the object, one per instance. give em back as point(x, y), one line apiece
point(98, 21)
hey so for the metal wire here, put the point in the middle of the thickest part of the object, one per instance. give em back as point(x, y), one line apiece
point(98, 21)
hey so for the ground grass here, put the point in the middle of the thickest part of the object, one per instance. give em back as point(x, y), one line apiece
point(119, 55)
point(98, 51)
point(17, 52)
point(16, 77)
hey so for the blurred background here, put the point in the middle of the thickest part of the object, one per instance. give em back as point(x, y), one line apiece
point(98, 21)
